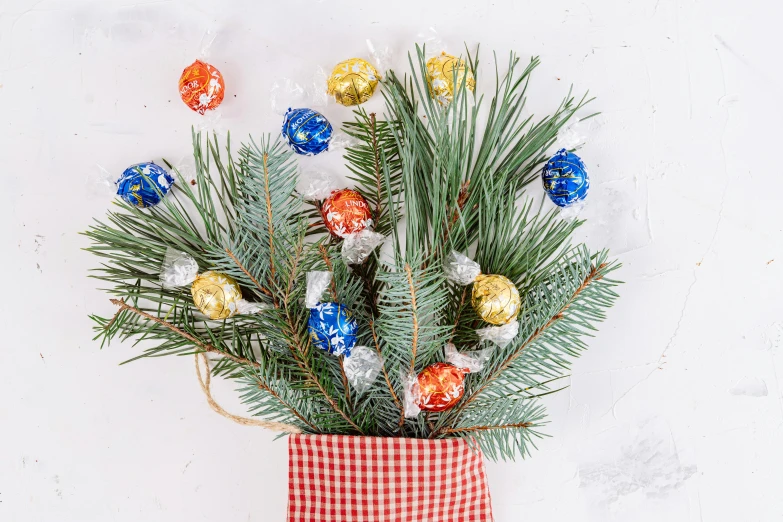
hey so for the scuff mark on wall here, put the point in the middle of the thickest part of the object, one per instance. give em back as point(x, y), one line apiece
point(648, 465)
point(750, 387)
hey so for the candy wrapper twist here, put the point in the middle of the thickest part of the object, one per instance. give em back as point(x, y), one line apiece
point(362, 368)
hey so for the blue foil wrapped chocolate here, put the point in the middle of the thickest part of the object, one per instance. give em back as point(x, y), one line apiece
point(565, 178)
point(144, 184)
point(306, 131)
point(332, 328)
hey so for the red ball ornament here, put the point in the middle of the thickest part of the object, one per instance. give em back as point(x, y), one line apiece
point(345, 212)
point(201, 87)
point(439, 387)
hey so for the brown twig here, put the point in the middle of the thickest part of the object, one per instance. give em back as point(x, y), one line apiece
point(269, 216)
point(415, 340)
point(243, 269)
point(462, 199)
point(377, 165)
point(448, 431)
point(329, 266)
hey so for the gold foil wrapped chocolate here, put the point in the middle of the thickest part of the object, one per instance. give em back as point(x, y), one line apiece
point(216, 295)
point(440, 73)
point(352, 81)
point(495, 299)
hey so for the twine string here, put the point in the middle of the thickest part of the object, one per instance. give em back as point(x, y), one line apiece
point(201, 357)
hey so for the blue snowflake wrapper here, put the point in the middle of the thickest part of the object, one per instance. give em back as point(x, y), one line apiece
point(332, 328)
point(565, 178)
point(144, 184)
point(306, 131)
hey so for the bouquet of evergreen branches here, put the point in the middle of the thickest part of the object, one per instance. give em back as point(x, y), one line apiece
point(438, 178)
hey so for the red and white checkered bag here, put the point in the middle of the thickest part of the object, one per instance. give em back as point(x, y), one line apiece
point(339, 478)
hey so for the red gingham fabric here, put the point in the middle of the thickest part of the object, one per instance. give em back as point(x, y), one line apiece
point(340, 478)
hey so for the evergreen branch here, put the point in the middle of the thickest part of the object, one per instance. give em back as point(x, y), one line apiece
point(385, 373)
point(502, 429)
point(248, 274)
point(298, 352)
point(298, 415)
point(198, 342)
point(556, 316)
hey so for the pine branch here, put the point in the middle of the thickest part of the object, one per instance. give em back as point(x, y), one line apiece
point(561, 311)
point(503, 428)
point(248, 274)
point(204, 346)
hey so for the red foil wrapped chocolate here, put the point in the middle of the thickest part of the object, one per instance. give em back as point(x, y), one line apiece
point(346, 212)
point(201, 87)
point(439, 386)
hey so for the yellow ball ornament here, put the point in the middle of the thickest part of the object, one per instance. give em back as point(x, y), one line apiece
point(440, 73)
point(216, 295)
point(352, 81)
point(495, 299)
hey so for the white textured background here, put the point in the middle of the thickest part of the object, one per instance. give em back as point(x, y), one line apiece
point(674, 414)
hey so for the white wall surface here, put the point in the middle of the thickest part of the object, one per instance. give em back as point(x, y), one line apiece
point(674, 414)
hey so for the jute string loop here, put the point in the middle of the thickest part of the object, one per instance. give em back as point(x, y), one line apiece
point(244, 421)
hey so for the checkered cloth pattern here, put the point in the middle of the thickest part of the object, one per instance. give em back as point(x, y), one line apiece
point(339, 478)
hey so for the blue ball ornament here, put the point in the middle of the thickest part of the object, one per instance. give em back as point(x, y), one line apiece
point(306, 131)
point(565, 178)
point(332, 328)
point(144, 184)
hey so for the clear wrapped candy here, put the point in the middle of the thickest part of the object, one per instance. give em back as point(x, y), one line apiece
point(500, 335)
point(460, 269)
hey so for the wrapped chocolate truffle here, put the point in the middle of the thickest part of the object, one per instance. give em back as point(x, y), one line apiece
point(440, 386)
point(565, 179)
point(216, 295)
point(495, 298)
point(346, 212)
point(352, 81)
point(446, 73)
point(201, 87)
point(334, 330)
point(306, 131)
point(332, 326)
point(144, 184)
